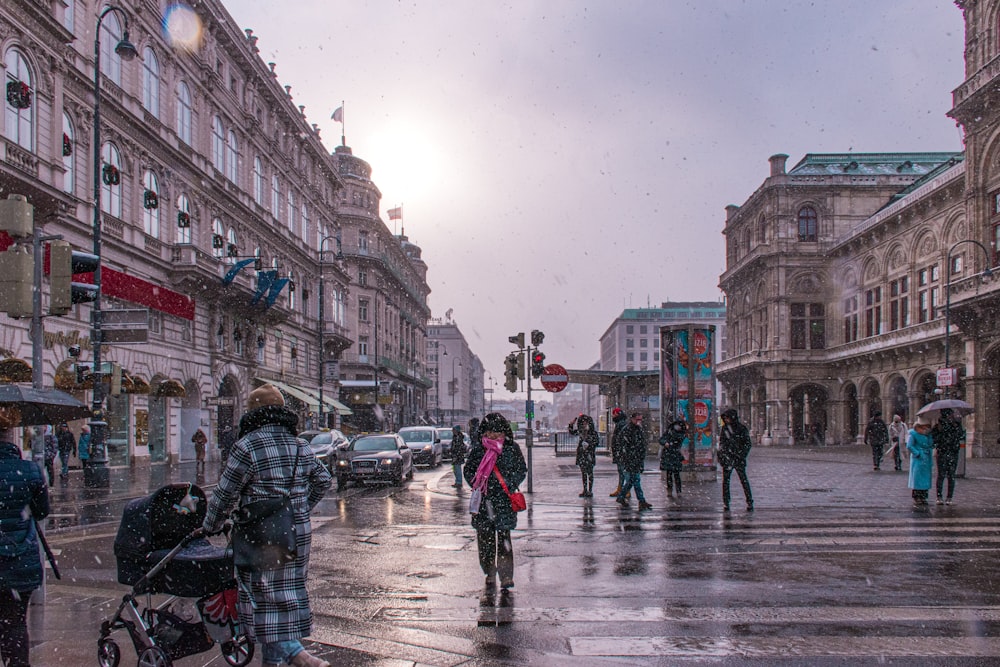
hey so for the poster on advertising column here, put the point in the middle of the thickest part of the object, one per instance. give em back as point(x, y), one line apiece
point(687, 386)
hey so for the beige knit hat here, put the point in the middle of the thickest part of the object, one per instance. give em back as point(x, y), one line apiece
point(266, 394)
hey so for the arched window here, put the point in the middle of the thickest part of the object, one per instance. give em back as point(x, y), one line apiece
point(232, 152)
point(111, 180)
point(258, 181)
point(807, 223)
point(291, 211)
point(232, 247)
point(275, 197)
point(218, 239)
point(150, 205)
point(69, 155)
point(183, 219)
point(19, 109)
point(150, 82)
point(305, 222)
point(184, 112)
point(218, 145)
point(761, 230)
point(111, 35)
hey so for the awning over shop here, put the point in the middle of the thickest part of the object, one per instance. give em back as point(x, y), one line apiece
point(308, 396)
point(170, 389)
point(357, 383)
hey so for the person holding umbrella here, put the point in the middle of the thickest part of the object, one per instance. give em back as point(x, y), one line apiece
point(948, 436)
point(24, 498)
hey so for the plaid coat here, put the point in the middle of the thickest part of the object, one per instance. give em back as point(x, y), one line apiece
point(260, 463)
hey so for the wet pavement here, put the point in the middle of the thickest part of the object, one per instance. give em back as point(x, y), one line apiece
point(834, 567)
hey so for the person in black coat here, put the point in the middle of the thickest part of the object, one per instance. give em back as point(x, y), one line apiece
point(877, 437)
point(457, 453)
point(586, 451)
point(494, 518)
point(633, 457)
point(671, 456)
point(734, 447)
point(24, 497)
point(618, 419)
point(948, 436)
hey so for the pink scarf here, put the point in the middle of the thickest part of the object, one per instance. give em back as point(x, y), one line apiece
point(493, 448)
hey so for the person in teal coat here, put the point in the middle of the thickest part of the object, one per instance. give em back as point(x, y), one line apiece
point(921, 447)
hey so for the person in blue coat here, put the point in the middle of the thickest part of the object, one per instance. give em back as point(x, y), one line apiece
point(494, 518)
point(921, 447)
point(24, 497)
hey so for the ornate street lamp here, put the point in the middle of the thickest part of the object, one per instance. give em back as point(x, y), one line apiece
point(96, 473)
point(322, 321)
point(987, 273)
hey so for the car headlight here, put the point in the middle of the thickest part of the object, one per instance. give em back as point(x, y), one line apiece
point(388, 462)
point(341, 463)
point(428, 448)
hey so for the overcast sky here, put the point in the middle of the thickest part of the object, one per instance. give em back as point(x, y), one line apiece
point(561, 160)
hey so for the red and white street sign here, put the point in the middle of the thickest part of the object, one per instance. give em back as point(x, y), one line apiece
point(554, 378)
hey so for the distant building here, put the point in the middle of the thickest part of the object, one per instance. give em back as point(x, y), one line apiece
point(456, 394)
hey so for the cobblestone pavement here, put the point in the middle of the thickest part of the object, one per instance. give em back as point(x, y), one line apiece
point(835, 566)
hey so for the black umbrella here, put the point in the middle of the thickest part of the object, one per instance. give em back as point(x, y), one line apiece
point(42, 406)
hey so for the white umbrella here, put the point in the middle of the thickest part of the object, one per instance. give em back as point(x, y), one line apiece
point(957, 406)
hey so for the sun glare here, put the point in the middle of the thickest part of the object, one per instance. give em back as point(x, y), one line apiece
point(406, 164)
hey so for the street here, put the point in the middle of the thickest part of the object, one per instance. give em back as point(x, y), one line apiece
point(835, 566)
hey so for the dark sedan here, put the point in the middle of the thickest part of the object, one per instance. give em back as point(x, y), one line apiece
point(369, 458)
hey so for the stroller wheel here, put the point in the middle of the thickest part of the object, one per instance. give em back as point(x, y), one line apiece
point(238, 651)
point(154, 656)
point(108, 653)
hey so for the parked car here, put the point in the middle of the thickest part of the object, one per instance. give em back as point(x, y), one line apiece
point(425, 443)
point(324, 446)
point(368, 458)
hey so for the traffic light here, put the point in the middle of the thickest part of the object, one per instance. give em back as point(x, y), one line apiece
point(17, 280)
point(510, 372)
point(520, 366)
point(17, 217)
point(517, 340)
point(82, 373)
point(537, 364)
point(64, 262)
point(537, 337)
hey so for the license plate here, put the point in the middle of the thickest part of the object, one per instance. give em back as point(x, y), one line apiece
point(365, 464)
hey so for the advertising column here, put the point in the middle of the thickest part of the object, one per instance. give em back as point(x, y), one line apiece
point(687, 389)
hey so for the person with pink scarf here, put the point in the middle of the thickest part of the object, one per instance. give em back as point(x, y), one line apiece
point(497, 454)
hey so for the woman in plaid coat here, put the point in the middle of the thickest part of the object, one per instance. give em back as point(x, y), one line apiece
point(259, 466)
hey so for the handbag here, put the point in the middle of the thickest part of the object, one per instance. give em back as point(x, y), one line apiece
point(517, 501)
point(264, 536)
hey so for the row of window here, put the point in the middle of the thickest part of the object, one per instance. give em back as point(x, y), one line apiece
point(807, 226)
point(864, 313)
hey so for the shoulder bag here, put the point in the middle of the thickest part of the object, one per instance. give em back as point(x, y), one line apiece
point(517, 501)
point(264, 536)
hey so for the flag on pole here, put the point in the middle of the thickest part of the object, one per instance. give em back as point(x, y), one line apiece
point(395, 213)
point(338, 115)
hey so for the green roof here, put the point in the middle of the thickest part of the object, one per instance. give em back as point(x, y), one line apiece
point(873, 164)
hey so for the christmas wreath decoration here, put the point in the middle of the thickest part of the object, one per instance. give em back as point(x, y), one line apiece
point(150, 200)
point(110, 175)
point(183, 219)
point(18, 94)
point(218, 241)
point(67, 145)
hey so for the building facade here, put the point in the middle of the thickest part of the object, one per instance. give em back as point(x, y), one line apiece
point(457, 392)
point(222, 214)
point(863, 278)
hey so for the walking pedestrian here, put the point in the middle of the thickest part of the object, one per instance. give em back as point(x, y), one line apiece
point(66, 444)
point(633, 457)
point(83, 445)
point(619, 420)
point(200, 440)
point(51, 449)
point(948, 436)
point(24, 497)
point(227, 437)
point(876, 437)
point(671, 456)
point(898, 430)
point(269, 460)
point(734, 447)
point(457, 454)
point(586, 451)
point(921, 448)
point(496, 455)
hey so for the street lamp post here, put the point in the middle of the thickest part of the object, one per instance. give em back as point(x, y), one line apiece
point(96, 473)
point(453, 389)
point(322, 321)
point(490, 390)
point(947, 294)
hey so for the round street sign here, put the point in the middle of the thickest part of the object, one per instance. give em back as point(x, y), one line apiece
point(554, 378)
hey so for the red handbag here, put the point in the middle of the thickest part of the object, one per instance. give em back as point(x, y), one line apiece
point(517, 501)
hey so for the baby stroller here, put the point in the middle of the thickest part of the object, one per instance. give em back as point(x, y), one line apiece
point(160, 549)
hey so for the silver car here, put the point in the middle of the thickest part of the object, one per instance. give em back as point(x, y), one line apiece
point(324, 447)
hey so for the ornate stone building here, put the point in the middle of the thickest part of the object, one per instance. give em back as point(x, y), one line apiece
point(853, 279)
point(222, 211)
